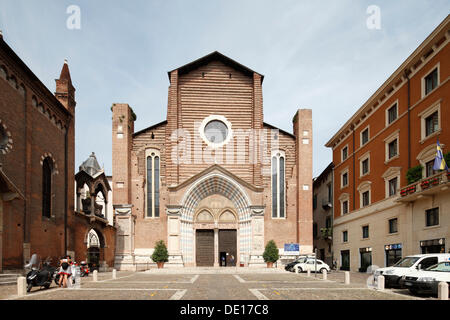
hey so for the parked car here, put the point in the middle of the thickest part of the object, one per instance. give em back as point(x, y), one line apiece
point(392, 275)
point(427, 281)
point(290, 265)
point(310, 264)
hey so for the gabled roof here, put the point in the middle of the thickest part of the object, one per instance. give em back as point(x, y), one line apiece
point(216, 55)
point(33, 78)
point(154, 126)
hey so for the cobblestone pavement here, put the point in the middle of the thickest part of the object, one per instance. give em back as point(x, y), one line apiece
point(215, 284)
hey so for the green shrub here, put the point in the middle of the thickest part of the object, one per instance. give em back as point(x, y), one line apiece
point(447, 159)
point(271, 252)
point(414, 174)
point(160, 254)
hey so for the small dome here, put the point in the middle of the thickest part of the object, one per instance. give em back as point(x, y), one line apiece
point(91, 166)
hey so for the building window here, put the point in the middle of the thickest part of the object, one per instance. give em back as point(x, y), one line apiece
point(364, 136)
point(315, 230)
point(365, 198)
point(430, 120)
point(365, 167)
point(330, 193)
point(392, 114)
point(432, 217)
point(365, 232)
point(393, 254)
point(431, 81)
point(345, 179)
point(315, 202)
point(393, 225)
point(344, 153)
point(215, 131)
point(432, 123)
point(392, 148)
point(345, 236)
point(153, 177)
point(345, 207)
point(278, 185)
point(47, 168)
point(429, 171)
point(393, 186)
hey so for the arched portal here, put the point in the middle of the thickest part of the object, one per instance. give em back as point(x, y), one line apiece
point(215, 184)
point(95, 244)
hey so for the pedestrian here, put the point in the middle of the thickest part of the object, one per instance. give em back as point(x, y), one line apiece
point(65, 272)
point(232, 260)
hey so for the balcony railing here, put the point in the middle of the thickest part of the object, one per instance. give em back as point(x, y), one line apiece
point(327, 233)
point(425, 185)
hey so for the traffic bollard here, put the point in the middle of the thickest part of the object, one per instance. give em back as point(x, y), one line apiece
point(114, 274)
point(346, 277)
point(380, 282)
point(21, 286)
point(308, 272)
point(95, 275)
point(324, 274)
point(443, 291)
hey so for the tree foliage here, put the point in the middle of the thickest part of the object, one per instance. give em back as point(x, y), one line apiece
point(160, 254)
point(271, 252)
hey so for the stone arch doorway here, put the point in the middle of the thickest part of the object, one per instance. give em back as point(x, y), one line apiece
point(95, 246)
point(209, 200)
point(216, 232)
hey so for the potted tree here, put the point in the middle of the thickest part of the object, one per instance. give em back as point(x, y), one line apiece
point(160, 255)
point(270, 254)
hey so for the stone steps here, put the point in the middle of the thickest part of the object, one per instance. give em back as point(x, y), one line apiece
point(8, 278)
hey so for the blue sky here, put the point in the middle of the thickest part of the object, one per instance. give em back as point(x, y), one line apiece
point(314, 54)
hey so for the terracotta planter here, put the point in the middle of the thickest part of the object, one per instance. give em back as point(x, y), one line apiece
point(160, 265)
point(269, 264)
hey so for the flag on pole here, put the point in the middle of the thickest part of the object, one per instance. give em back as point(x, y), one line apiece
point(439, 161)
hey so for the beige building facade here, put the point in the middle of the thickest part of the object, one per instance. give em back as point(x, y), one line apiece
point(389, 202)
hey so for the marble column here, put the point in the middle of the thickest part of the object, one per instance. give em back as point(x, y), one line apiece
point(174, 235)
point(216, 246)
point(257, 234)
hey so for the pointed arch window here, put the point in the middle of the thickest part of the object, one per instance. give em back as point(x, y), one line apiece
point(153, 183)
point(278, 185)
point(47, 168)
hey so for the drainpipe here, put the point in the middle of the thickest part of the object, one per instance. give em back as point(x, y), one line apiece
point(409, 119)
point(66, 140)
point(353, 157)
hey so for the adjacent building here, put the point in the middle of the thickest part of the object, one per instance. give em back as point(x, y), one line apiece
point(37, 141)
point(389, 202)
point(323, 215)
point(37, 156)
point(214, 181)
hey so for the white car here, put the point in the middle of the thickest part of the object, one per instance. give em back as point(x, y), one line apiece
point(427, 281)
point(310, 264)
point(392, 275)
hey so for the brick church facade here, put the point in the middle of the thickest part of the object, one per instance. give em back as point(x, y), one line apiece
point(37, 171)
point(213, 181)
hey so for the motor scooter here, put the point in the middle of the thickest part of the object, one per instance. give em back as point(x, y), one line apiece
point(84, 268)
point(39, 276)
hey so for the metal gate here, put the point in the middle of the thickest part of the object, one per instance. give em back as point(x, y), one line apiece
point(205, 248)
